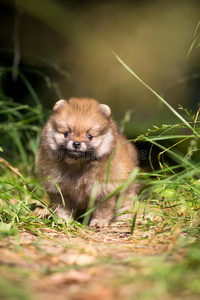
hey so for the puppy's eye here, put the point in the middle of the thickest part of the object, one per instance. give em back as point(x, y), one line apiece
point(66, 134)
point(89, 136)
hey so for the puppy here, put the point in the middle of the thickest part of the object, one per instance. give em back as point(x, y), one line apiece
point(76, 145)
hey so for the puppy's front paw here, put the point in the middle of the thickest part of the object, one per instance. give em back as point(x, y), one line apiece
point(99, 223)
point(62, 213)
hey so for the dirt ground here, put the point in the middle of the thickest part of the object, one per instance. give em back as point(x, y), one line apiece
point(87, 264)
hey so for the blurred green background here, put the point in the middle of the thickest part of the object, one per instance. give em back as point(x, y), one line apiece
point(65, 49)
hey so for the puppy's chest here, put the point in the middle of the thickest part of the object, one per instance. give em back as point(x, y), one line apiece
point(77, 182)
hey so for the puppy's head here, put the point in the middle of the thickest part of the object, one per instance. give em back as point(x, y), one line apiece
point(80, 129)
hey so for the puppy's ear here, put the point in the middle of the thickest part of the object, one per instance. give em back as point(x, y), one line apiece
point(59, 104)
point(105, 110)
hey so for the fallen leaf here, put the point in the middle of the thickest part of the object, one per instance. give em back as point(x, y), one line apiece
point(88, 249)
point(70, 276)
point(76, 259)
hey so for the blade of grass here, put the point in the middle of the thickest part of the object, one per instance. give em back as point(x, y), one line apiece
point(134, 222)
point(192, 46)
point(180, 159)
point(14, 134)
point(91, 203)
point(198, 25)
point(108, 197)
point(126, 186)
point(156, 94)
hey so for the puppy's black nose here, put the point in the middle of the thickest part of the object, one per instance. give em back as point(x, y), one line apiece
point(76, 145)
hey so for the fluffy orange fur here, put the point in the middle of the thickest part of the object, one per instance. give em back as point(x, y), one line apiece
point(75, 149)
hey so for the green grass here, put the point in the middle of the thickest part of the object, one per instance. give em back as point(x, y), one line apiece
point(168, 202)
point(170, 193)
point(174, 193)
point(10, 290)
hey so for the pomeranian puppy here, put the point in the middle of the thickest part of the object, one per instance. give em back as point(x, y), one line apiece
point(76, 144)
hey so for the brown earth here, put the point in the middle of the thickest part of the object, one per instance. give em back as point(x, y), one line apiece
point(87, 264)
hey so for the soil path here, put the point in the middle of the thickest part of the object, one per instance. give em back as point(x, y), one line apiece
point(92, 264)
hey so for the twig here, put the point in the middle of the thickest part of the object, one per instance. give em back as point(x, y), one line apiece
point(15, 170)
point(195, 121)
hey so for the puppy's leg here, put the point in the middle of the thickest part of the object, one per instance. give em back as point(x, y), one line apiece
point(62, 211)
point(103, 215)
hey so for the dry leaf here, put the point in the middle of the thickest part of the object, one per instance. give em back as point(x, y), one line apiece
point(88, 249)
point(71, 276)
point(76, 259)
